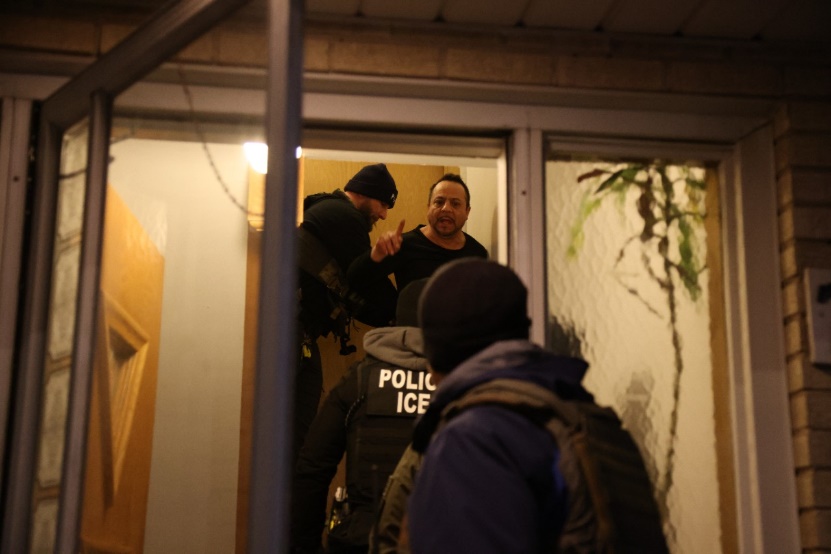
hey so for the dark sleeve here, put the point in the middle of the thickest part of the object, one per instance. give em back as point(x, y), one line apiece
point(341, 227)
point(318, 462)
point(364, 270)
point(369, 279)
point(379, 308)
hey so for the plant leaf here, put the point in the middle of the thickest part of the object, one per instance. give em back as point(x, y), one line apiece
point(697, 184)
point(590, 174)
point(609, 181)
point(687, 267)
point(587, 207)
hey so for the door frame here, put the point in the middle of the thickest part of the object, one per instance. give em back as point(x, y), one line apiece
point(15, 138)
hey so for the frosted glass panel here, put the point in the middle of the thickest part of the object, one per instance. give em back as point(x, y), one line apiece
point(626, 247)
point(60, 338)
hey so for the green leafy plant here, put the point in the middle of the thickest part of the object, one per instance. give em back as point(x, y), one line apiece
point(669, 201)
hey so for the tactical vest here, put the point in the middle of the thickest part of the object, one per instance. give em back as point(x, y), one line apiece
point(380, 426)
point(340, 302)
point(611, 506)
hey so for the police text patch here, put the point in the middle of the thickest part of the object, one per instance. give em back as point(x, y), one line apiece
point(398, 392)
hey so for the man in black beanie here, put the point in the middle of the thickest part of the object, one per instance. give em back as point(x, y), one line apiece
point(489, 479)
point(335, 231)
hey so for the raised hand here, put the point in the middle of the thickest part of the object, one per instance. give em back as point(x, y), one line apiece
point(388, 244)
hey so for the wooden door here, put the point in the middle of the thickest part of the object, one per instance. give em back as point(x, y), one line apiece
point(122, 406)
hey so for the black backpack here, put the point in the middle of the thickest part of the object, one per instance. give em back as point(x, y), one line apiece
point(612, 508)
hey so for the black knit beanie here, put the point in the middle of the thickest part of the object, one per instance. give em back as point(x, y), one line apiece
point(376, 182)
point(468, 305)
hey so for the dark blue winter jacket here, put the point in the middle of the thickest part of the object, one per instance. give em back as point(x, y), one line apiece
point(489, 480)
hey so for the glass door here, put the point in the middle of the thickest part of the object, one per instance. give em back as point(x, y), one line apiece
point(163, 458)
point(118, 303)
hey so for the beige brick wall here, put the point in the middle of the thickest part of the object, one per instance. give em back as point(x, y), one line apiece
point(803, 162)
point(50, 35)
point(798, 76)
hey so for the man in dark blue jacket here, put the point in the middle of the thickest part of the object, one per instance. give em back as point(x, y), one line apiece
point(489, 480)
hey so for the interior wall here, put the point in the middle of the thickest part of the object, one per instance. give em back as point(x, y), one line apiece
point(171, 189)
point(482, 224)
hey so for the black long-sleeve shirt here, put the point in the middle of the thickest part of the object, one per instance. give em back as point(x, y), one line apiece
point(418, 258)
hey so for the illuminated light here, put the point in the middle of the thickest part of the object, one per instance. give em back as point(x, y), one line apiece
point(257, 155)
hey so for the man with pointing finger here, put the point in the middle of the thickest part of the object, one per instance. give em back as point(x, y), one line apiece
point(418, 253)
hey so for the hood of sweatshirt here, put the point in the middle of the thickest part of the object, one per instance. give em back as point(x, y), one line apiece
point(398, 346)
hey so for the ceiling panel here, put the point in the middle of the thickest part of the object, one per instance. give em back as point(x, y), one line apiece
point(484, 12)
point(740, 19)
point(418, 10)
point(660, 17)
point(333, 7)
point(801, 20)
point(584, 15)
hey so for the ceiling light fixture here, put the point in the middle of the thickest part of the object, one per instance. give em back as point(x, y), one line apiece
point(257, 155)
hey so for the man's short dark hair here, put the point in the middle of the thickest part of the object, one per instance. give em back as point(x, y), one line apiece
point(454, 178)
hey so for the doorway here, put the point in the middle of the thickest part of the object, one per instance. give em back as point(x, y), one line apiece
point(193, 202)
point(323, 170)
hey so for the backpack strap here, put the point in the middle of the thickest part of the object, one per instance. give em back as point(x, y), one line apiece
point(519, 395)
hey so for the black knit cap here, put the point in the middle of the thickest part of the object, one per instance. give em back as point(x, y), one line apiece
point(468, 305)
point(406, 310)
point(376, 182)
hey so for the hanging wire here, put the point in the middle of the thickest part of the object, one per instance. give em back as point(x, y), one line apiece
point(197, 127)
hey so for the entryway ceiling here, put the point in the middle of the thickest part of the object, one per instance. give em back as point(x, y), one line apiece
point(727, 19)
point(757, 20)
